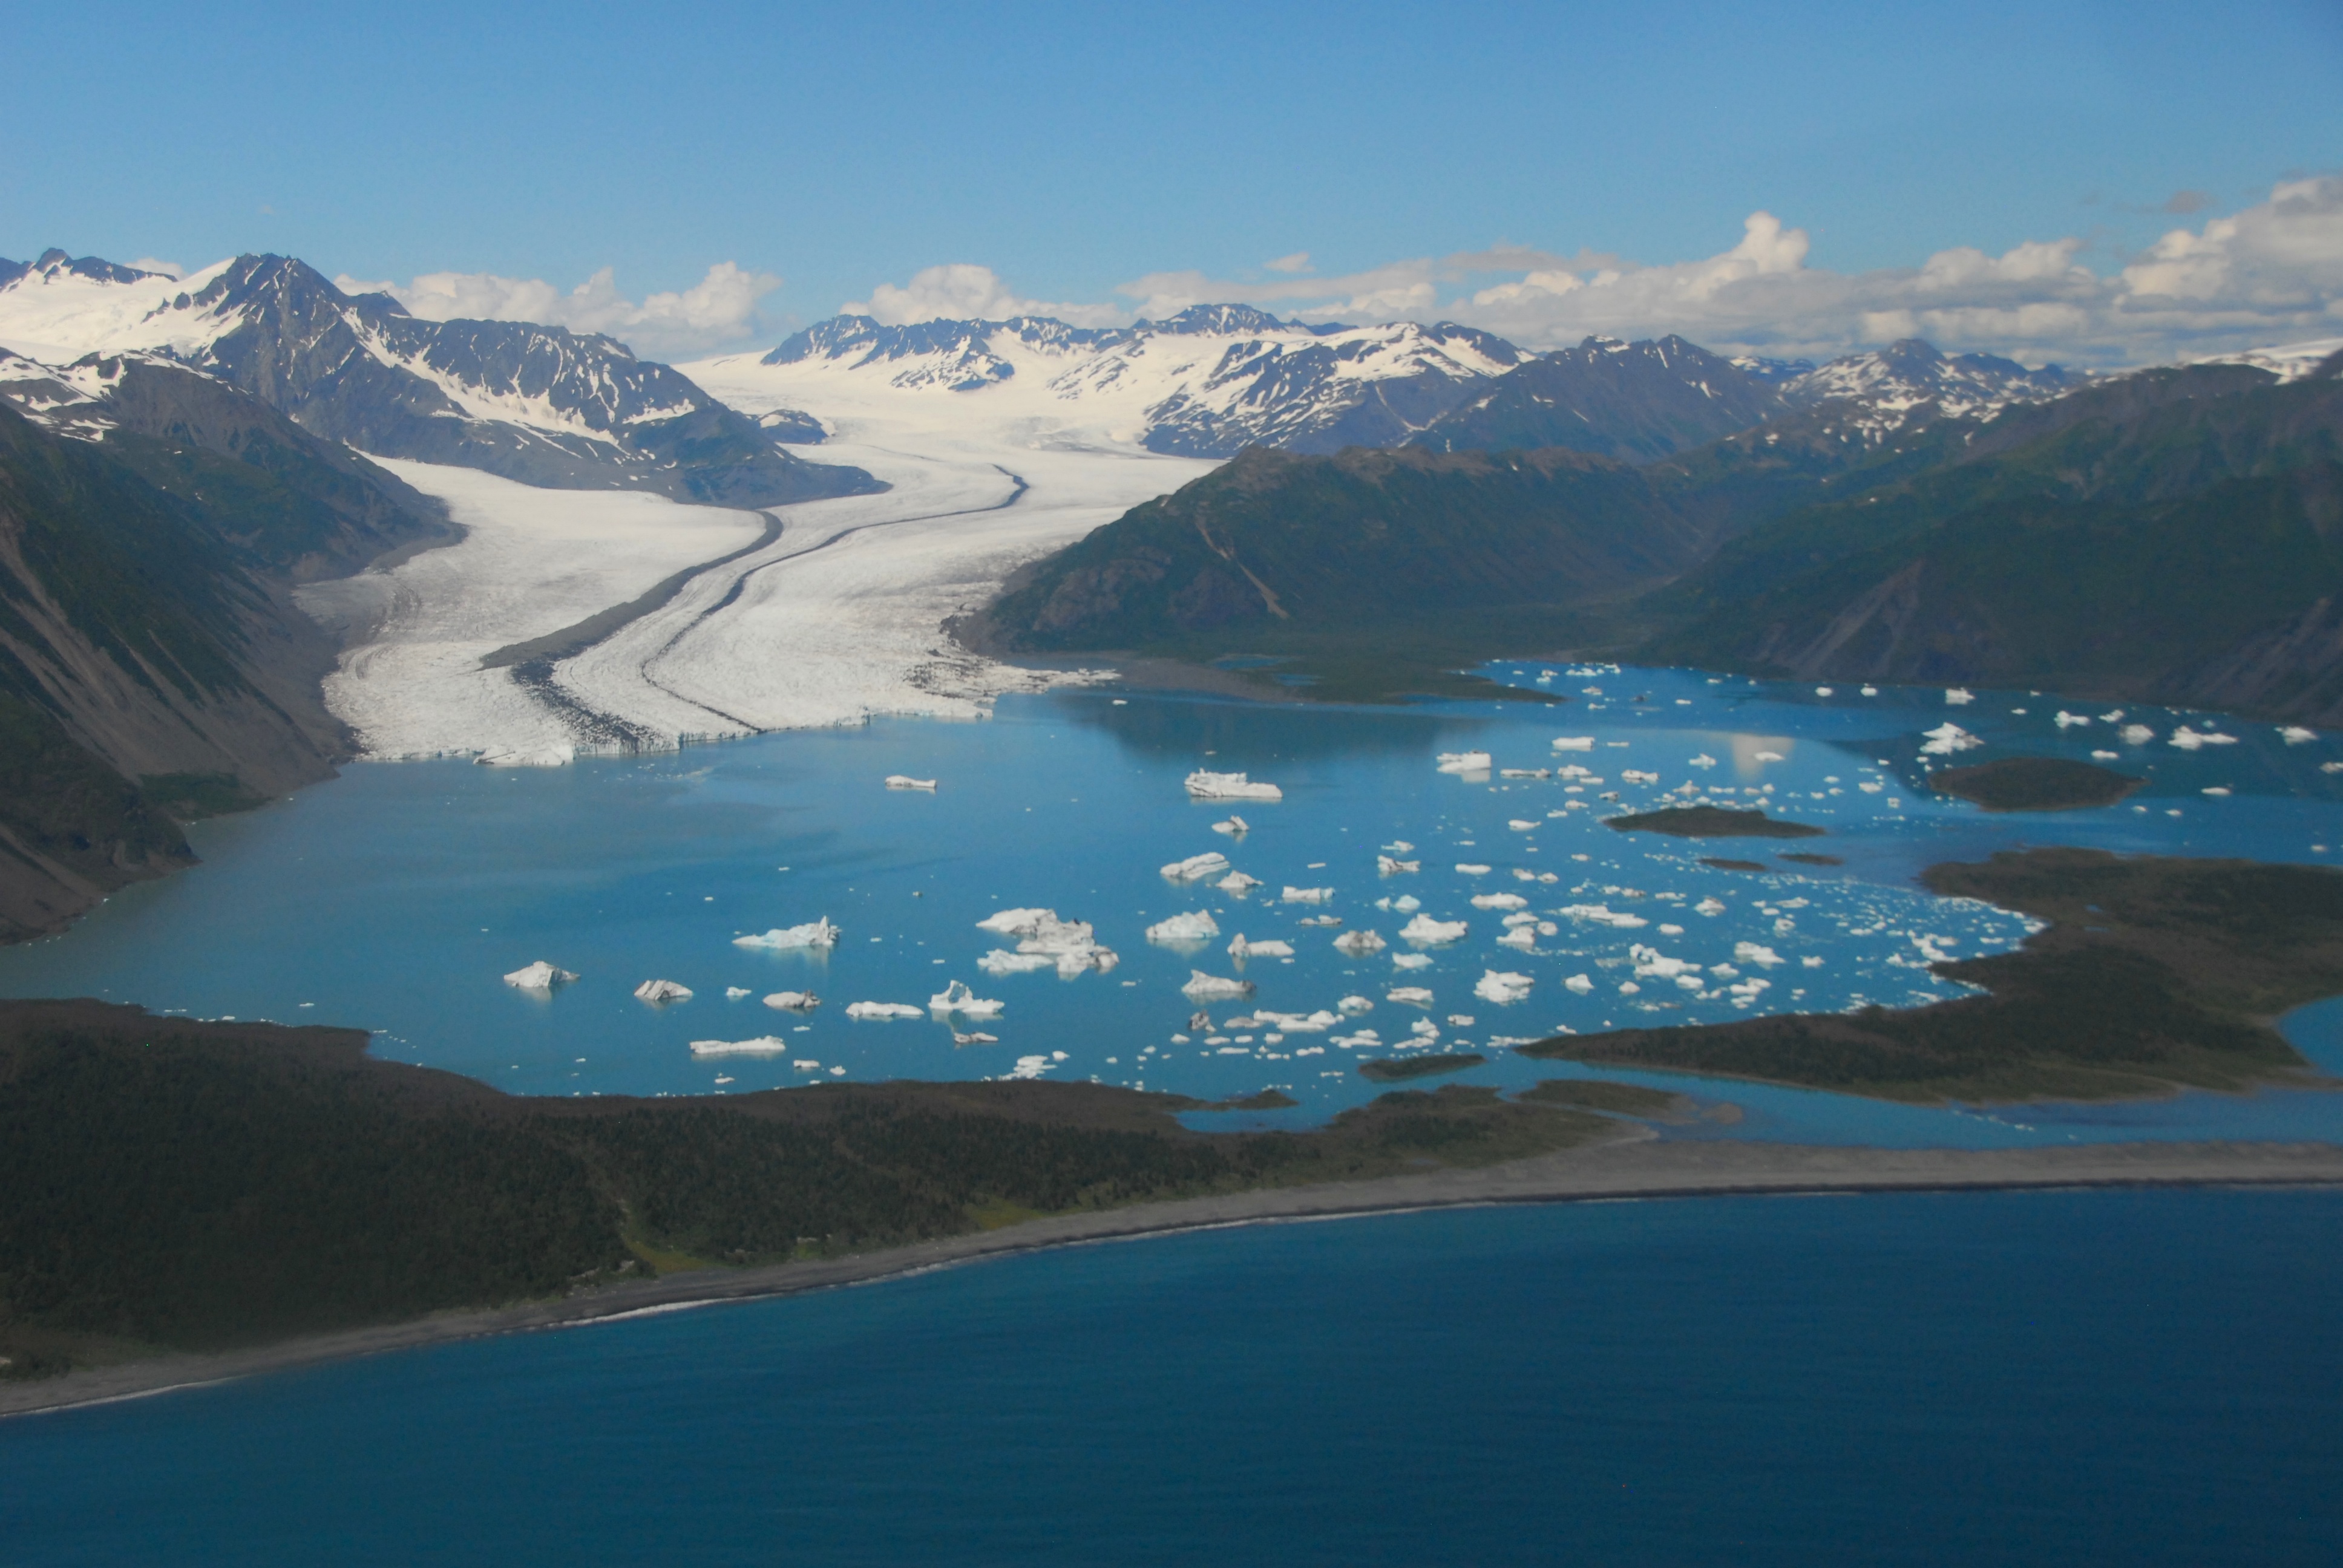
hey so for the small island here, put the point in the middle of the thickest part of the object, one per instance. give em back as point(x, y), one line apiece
point(1726, 863)
point(2152, 975)
point(1712, 822)
point(2034, 784)
point(1392, 1069)
point(1810, 860)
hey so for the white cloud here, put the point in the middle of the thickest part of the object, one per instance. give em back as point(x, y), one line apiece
point(721, 309)
point(1298, 262)
point(960, 291)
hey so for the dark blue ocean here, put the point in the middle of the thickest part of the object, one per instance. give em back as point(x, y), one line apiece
point(2133, 1378)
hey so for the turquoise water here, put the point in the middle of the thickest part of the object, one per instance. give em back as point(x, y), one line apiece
point(2042, 1378)
point(396, 898)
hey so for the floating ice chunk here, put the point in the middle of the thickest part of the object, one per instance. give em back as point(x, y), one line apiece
point(1574, 743)
point(2330, 767)
point(1653, 964)
point(1072, 945)
point(2137, 734)
point(662, 990)
point(1410, 960)
point(2296, 735)
point(2066, 720)
point(2107, 756)
point(1499, 901)
point(881, 1011)
point(1305, 895)
point(1387, 866)
point(1958, 695)
point(1237, 884)
point(1465, 761)
point(1001, 962)
point(1409, 995)
point(1317, 1022)
point(1708, 907)
point(1871, 691)
point(1633, 776)
point(1751, 953)
point(2194, 740)
point(1201, 986)
point(1471, 869)
point(539, 976)
point(793, 1001)
point(974, 1038)
point(1196, 867)
point(1031, 1067)
point(1502, 986)
point(1016, 922)
point(1821, 691)
point(1359, 944)
point(1947, 739)
point(1235, 827)
point(1603, 915)
point(1521, 826)
point(957, 997)
point(1525, 773)
point(1812, 961)
point(1579, 984)
point(735, 992)
point(1769, 757)
point(1206, 785)
point(2215, 789)
point(1521, 937)
point(1356, 1004)
point(1629, 988)
point(1521, 918)
point(1195, 926)
point(1424, 929)
point(1703, 760)
point(905, 781)
point(1242, 950)
point(1398, 847)
point(819, 934)
point(763, 1045)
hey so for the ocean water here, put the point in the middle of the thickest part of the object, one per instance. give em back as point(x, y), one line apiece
point(397, 897)
point(2142, 1378)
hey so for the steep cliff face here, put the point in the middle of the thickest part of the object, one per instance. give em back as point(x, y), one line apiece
point(151, 670)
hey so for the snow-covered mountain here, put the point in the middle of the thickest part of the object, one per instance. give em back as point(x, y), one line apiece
point(1206, 383)
point(1635, 401)
point(1871, 396)
point(2288, 362)
point(538, 404)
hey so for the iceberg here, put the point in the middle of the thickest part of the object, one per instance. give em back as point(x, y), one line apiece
point(821, 934)
point(1633, 776)
point(1703, 760)
point(1242, 950)
point(1499, 901)
point(1206, 785)
point(1653, 964)
point(1196, 867)
point(1410, 960)
point(2066, 720)
point(1751, 953)
point(1195, 927)
point(1072, 945)
point(793, 1001)
point(735, 992)
point(1237, 884)
point(1525, 773)
point(1411, 995)
point(1958, 695)
point(662, 990)
point(1398, 847)
point(1359, 944)
point(974, 1038)
point(763, 1045)
point(2194, 740)
point(1306, 895)
point(1317, 1022)
point(2137, 734)
point(1947, 739)
point(1201, 986)
point(1521, 825)
point(1580, 984)
point(1469, 869)
point(1016, 922)
point(1603, 915)
point(1502, 986)
point(1425, 928)
point(1521, 937)
point(2296, 735)
point(1001, 962)
point(1235, 827)
point(1574, 743)
point(539, 976)
point(1355, 1004)
point(1387, 866)
point(883, 1009)
point(905, 781)
point(1465, 761)
point(957, 997)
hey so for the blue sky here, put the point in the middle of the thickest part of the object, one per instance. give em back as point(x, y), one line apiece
point(1074, 149)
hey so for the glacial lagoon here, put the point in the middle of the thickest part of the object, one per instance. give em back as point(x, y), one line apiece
point(397, 897)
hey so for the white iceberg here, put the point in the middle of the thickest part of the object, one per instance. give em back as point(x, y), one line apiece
point(1471, 869)
point(1305, 895)
point(905, 781)
point(1425, 928)
point(763, 1045)
point(883, 1009)
point(1603, 915)
point(1398, 847)
point(1072, 946)
point(2296, 735)
point(793, 1001)
point(1359, 944)
point(1499, 901)
point(1355, 1004)
point(1236, 884)
point(662, 990)
point(1410, 960)
point(1525, 773)
point(1242, 950)
point(1317, 1022)
point(2193, 740)
point(974, 1038)
point(1708, 907)
point(1703, 760)
point(1947, 738)
point(1001, 962)
point(1580, 984)
point(2137, 734)
point(539, 976)
point(1465, 762)
point(819, 934)
point(1633, 776)
point(2066, 720)
point(1201, 986)
point(1207, 786)
point(1195, 926)
point(1387, 866)
point(1653, 964)
point(1502, 986)
point(735, 992)
point(1196, 867)
point(1410, 995)
point(1521, 937)
point(1958, 695)
point(957, 997)
point(1235, 827)
point(1574, 743)
point(1751, 953)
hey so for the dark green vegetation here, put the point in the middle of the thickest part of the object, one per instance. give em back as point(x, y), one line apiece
point(2034, 784)
point(2153, 975)
point(152, 669)
point(170, 1184)
point(1712, 822)
point(1611, 1099)
point(1803, 859)
point(1398, 1069)
point(1632, 401)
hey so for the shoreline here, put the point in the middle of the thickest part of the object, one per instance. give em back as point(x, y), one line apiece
point(1629, 1167)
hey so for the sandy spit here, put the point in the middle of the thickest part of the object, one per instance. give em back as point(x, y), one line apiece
point(1636, 1167)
